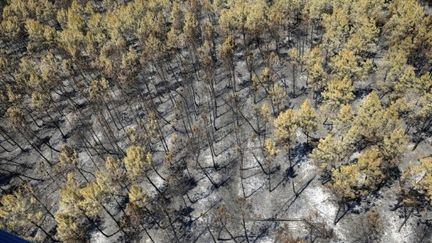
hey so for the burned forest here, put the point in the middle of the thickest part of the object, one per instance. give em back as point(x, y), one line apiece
point(216, 120)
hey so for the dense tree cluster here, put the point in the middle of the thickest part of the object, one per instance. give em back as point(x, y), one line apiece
point(112, 113)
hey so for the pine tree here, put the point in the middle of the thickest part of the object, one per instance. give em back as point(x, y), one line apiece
point(137, 196)
point(16, 117)
point(337, 30)
point(97, 88)
point(277, 95)
point(244, 17)
point(265, 115)
point(115, 172)
point(406, 18)
point(176, 16)
point(72, 38)
point(91, 196)
point(365, 35)
point(226, 53)
point(21, 213)
point(314, 61)
point(285, 126)
point(329, 153)
point(191, 29)
point(393, 65)
point(234, 18)
point(296, 62)
point(313, 13)
point(345, 178)
point(71, 224)
point(370, 118)
point(256, 21)
point(39, 34)
point(68, 157)
point(420, 116)
point(425, 184)
point(346, 65)
point(15, 15)
point(338, 92)
point(353, 181)
point(343, 121)
point(395, 143)
point(415, 193)
point(136, 161)
point(68, 229)
point(371, 8)
point(129, 66)
point(277, 19)
point(307, 118)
